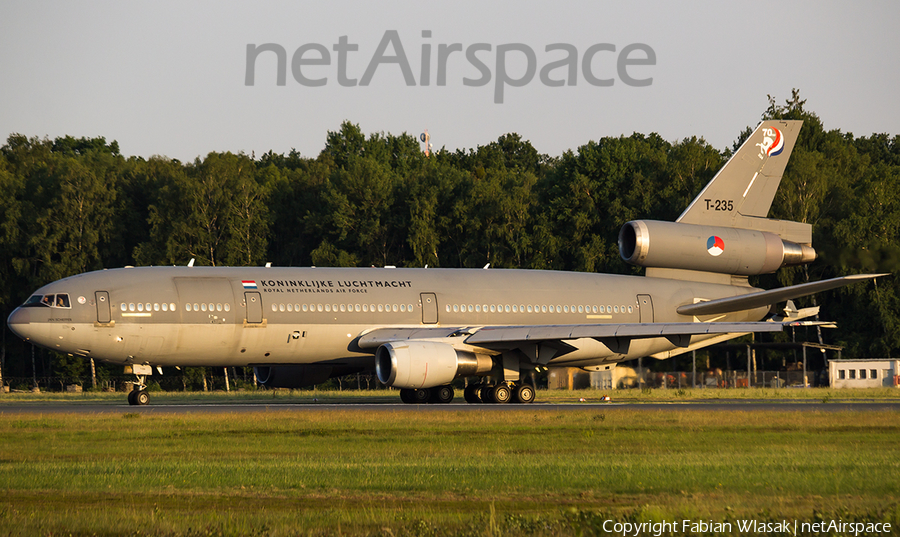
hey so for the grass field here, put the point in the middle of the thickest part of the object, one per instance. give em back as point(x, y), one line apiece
point(527, 471)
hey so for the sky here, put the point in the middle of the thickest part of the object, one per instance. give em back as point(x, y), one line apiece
point(170, 77)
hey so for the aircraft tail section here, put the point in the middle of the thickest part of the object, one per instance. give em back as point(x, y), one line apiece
point(725, 231)
point(742, 192)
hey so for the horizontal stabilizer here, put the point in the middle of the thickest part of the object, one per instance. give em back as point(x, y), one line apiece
point(767, 298)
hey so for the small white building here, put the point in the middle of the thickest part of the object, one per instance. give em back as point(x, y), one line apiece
point(864, 373)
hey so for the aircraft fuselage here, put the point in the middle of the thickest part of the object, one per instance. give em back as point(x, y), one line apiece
point(218, 316)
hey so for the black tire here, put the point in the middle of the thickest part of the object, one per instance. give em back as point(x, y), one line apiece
point(441, 394)
point(142, 398)
point(421, 395)
point(471, 394)
point(523, 394)
point(501, 394)
point(131, 395)
point(486, 394)
point(406, 395)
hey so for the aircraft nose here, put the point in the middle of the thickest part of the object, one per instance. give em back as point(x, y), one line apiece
point(19, 322)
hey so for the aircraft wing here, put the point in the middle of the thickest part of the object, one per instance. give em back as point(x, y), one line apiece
point(510, 336)
point(766, 298)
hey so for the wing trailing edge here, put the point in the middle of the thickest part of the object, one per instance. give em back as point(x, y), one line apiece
point(773, 296)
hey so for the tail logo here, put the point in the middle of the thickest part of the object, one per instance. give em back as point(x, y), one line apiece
point(715, 246)
point(772, 144)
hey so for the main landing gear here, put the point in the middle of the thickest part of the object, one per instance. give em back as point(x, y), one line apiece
point(438, 394)
point(505, 392)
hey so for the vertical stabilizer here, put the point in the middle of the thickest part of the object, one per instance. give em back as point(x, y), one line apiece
point(744, 188)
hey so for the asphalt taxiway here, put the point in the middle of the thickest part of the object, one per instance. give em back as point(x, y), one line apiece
point(737, 405)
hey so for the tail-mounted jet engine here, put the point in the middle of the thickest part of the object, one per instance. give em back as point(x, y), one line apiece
point(426, 364)
point(725, 250)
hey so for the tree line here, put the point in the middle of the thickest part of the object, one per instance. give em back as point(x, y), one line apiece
point(71, 205)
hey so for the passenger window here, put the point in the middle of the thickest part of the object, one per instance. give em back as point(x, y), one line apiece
point(327, 307)
point(165, 307)
point(343, 307)
point(172, 306)
point(196, 307)
point(529, 308)
point(319, 307)
point(580, 309)
point(227, 307)
point(630, 310)
point(187, 307)
point(506, 308)
point(203, 307)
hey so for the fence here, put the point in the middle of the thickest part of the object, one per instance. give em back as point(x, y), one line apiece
point(624, 378)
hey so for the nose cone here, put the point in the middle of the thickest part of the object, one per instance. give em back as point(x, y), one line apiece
point(20, 323)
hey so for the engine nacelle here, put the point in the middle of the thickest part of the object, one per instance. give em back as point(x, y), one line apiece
point(426, 364)
point(724, 250)
point(299, 375)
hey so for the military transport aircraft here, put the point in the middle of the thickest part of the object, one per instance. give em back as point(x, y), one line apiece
point(420, 329)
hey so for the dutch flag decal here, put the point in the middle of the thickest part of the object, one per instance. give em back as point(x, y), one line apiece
point(249, 284)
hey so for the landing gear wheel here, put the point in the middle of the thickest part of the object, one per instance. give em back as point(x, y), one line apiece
point(131, 395)
point(142, 398)
point(441, 394)
point(408, 396)
point(523, 394)
point(421, 395)
point(472, 394)
point(486, 394)
point(501, 393)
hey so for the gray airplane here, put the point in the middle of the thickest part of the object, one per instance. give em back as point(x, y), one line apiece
point(419, 329)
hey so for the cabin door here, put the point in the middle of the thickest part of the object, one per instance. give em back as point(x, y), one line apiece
point(254, 307)
point(645, 305)
point(429, 308)
point(102, 299)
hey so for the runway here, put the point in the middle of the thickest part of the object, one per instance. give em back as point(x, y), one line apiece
point(736, 405)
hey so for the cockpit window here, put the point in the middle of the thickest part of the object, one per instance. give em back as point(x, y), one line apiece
point(35, 300)
point(60, 300)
